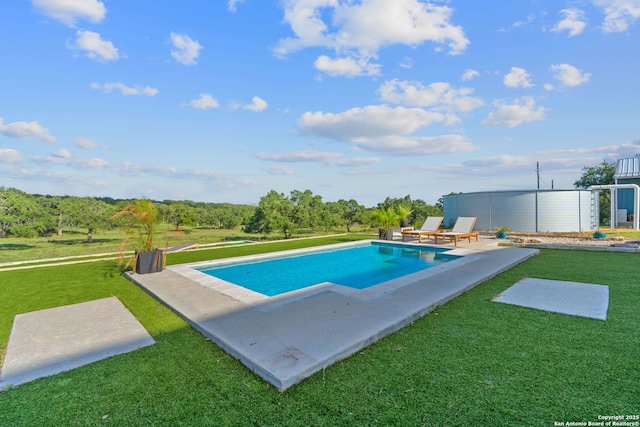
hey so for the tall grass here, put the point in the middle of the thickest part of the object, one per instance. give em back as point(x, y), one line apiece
point(470, 362)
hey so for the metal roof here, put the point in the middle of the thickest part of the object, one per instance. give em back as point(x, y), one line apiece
point(628, 168)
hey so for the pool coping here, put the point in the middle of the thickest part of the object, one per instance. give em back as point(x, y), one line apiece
point(286, 339)
point(192, 271)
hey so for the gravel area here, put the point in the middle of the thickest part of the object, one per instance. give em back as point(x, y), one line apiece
point(553, 241)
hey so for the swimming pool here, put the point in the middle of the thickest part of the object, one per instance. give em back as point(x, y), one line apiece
point(358, 267)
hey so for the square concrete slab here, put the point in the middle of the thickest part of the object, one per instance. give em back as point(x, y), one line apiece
point(55, 340)
point(574, 298)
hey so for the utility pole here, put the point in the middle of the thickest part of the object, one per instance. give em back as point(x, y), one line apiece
point(538, 173)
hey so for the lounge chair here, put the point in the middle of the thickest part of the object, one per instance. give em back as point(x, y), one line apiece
point(462, 229)
point(429, 228)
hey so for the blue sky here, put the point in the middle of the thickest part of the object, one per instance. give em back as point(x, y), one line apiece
point(224, 100)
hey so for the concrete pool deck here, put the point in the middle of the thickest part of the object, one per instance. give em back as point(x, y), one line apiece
point(285, 339)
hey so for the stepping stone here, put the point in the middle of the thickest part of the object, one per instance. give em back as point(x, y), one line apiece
point(573, 298)
point(47, 342)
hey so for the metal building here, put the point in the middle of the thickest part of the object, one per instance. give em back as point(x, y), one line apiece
point(526, 210)
point(627, 172)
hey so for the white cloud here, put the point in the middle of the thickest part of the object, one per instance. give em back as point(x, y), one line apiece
point(185, 50)
point(94, 47)
point(26, 130)
point(518, 77)
point(619, 14)
point(349, 67)
point(360, 29)
point(505, 166)
point(63, 157)
point(381, 128)
point(62, 154)
point(231, 4)
point(440, 96)
point(370, 121)
point(257, 104)
point(502, 163)
point(278, 170)
point(569, 75)
point(523, 110)
point(204, 101)
point(325, 157)
point(469, 74)
point(399, 145)
point(125, 90)
point(528, 20)
point(608, 152)
point(573, 22)
point(9, 155)
point(87, 143)
point(69, 11)
point(406, 63)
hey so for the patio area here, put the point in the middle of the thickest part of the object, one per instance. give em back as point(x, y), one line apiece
point(287, 338)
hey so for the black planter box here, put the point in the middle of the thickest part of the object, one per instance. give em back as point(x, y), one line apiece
point(149, 262)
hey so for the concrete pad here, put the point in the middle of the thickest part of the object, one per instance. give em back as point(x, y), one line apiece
point(47, 342)
point(287, 338)
point(573, 298)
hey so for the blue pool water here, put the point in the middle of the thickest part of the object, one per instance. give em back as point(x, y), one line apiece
point(356, 267)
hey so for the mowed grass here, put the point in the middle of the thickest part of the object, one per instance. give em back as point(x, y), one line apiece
point(74, 242)
point(470, 362)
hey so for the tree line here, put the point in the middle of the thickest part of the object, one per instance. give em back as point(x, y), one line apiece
point(32, 215)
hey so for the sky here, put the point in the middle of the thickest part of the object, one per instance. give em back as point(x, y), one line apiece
point(225, 100)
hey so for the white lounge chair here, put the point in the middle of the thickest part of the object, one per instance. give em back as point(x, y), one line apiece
point(463, 228)
point(429, 228)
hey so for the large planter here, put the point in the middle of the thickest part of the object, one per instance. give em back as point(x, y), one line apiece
point(501, 234)
point(149, 262)
point(385, 234)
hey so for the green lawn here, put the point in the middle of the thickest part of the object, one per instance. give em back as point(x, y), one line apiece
point(470, 362)
point(74, 242)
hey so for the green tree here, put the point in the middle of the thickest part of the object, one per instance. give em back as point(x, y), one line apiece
point(306, 209)
point(84, 212)
point(179, 214)
point(21, 215)
point(349, 212)
point(207, 217)
point(601, 174)
point(274, 212)
point(420, 209)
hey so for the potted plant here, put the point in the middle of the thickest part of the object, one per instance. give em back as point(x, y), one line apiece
point(386, 219)
point(404, 210)
point(140, 220)
point(501, 232)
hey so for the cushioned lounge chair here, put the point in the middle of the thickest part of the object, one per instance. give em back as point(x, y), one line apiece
point(462, 229)
point(429, 228)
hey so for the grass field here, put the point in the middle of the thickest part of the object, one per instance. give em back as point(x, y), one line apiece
point(470, 362)
point(74, 242)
